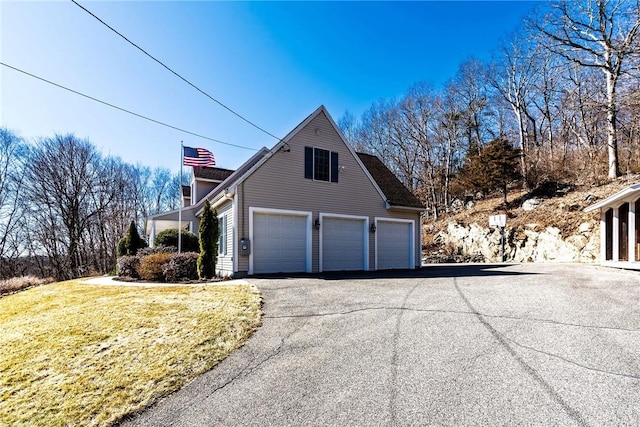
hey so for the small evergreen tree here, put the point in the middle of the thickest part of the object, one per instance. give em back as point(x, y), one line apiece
point(209, 234)
point(494, 168)
point(130, 243)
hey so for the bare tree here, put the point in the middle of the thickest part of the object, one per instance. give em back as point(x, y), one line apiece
point(599, 34)
point(63, 173)
point(348, 125)
point(514, 75)
point(468, 91)
point(12, 153)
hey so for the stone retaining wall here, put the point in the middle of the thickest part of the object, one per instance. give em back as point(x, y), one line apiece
point(525, 244)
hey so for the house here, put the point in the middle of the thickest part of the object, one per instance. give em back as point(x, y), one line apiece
point(310, 204)
point(620, 228)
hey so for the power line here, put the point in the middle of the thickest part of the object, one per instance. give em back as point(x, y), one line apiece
point(124, 109)
point(175, 73)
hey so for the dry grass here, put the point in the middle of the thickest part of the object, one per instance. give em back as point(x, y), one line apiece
point(16, 284)
point(80, 354)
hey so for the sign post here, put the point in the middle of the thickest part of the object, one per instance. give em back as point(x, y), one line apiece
point(499, 221)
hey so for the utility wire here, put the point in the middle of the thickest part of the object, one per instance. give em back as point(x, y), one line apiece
point(124, 109)
point(176, 74)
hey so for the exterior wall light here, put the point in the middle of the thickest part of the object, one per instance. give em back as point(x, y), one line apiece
point(372, 228)
point(316, 224)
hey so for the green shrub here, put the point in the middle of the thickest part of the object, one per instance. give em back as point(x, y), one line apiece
point(170, 238)
point(128, 266)
point(181, 267)
point(130, 243)
point(209, 234)
point(151, 266)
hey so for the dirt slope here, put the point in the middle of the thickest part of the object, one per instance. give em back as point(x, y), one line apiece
point(561, 206)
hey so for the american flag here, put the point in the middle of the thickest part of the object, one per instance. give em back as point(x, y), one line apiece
point(198, 157)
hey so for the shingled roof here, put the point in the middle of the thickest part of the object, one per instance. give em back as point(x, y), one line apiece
point(214, 174)
point(395, 192)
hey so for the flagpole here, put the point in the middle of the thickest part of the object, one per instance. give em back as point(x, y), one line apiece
point(180, 203)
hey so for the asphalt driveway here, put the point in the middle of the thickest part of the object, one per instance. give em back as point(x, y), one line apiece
point(535, 344)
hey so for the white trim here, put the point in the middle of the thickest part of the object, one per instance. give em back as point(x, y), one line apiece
point(365, 237)
point(631, 237)
point(412, 239)
point(308, 236)
point(603, 235)
point(212, 180)
point(234, 231)
point(616, 235)
point(222, 226)
point(629, 193)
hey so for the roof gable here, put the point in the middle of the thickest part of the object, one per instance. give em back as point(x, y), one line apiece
point(395, 193)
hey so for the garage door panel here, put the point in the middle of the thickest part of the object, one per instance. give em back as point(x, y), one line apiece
point(279, 243)
point(343, 244)
point(394, 245)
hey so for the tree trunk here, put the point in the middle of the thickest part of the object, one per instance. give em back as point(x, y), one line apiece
point(612, 141)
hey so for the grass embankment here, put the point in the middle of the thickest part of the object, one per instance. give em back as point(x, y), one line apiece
point(80, 354)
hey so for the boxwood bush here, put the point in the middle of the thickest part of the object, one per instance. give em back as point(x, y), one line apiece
point(170, 238)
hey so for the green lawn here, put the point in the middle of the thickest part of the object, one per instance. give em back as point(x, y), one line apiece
point(78, 354)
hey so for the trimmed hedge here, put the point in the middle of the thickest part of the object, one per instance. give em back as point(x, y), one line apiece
point(159, 266)
point(150, 267)
point(181, 267)
point(128, 266)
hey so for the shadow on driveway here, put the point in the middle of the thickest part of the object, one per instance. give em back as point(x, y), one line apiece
point(430, 271)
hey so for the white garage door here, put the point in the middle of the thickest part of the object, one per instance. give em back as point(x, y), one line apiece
point(279, 243)
point(394, 244)
point(343, 244)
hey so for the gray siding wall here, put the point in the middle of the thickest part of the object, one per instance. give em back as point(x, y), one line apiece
point(202, 188)
point(280, 184)
point(224, 266)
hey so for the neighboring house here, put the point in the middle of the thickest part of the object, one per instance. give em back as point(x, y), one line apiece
point(310, 204)
point(620, 228)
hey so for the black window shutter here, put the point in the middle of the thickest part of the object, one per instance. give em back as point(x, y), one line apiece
point(334, 166)
point(308, 162)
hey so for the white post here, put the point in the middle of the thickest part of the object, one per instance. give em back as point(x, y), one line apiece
point(152, 236)
point(632, 232)
point(616, 234)
point(603, 235)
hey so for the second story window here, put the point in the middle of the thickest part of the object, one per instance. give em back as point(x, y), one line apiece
point(320, 164)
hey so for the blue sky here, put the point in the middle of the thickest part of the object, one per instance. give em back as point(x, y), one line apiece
point(272, 62)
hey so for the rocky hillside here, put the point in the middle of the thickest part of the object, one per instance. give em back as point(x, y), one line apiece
point(547, 224)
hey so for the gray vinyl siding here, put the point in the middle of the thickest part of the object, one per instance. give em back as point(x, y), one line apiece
point(224, 266)
point(202, 188)
point(279, 183)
